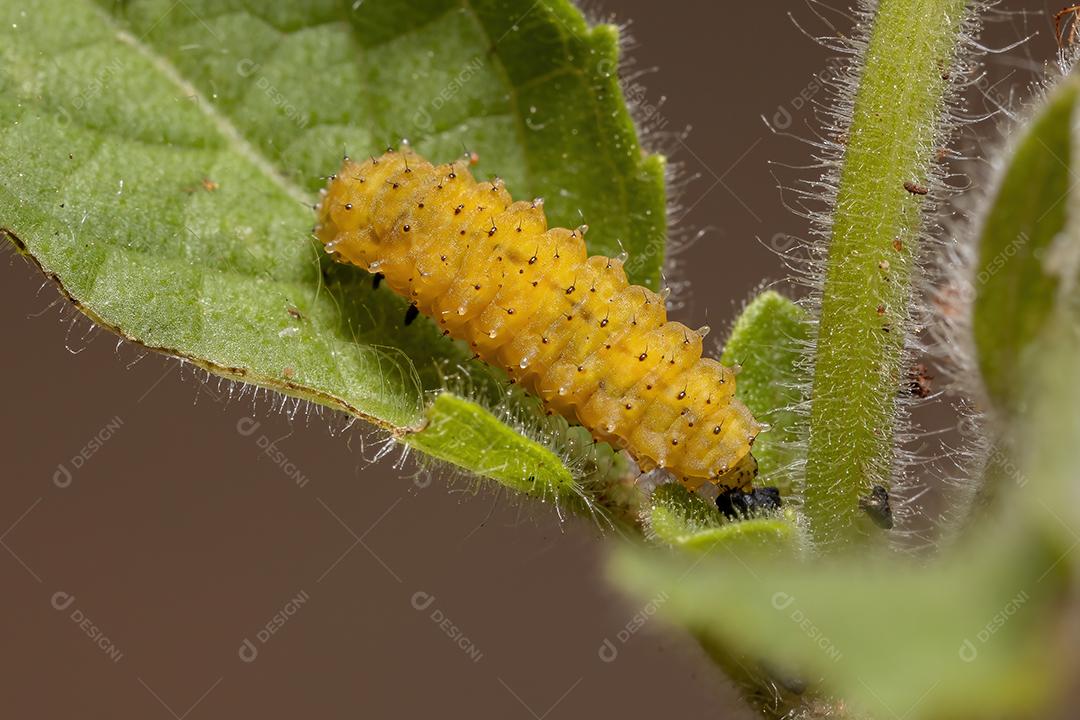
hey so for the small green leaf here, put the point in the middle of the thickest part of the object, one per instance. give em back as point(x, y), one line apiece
point(680, 518)
point(1014, 280)
point(159, 161)
point(768, 342)
point(461, 432)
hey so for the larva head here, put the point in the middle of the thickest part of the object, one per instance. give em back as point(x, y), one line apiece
point(339, 212)
point(740, 475)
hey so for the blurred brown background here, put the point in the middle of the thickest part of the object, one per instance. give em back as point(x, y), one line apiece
point(179, 540)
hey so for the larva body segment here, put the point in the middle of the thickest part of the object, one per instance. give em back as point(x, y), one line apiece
point(528, 299)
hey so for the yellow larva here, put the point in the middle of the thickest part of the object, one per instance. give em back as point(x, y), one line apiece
point(528, 299)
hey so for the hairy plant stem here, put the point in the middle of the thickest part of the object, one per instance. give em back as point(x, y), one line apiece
point(891, 146)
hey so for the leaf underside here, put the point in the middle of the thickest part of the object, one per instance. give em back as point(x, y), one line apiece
point(159, 161)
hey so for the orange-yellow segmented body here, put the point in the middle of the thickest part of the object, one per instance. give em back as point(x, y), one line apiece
point(570, 328)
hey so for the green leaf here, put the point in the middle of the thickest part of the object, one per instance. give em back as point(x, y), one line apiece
point(965, 638)
point(159, 161)
point(1015, 278)
point(459, 431)
point(1021, 250)
point(683, 519)
point(768, 342)
point(1042, 402)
